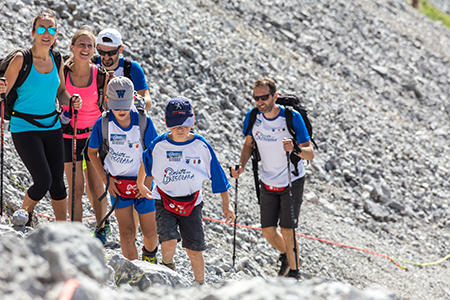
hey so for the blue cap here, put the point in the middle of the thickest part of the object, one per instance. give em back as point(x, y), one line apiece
point(179, 112)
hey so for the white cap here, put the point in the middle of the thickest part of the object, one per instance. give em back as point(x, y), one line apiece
point(109, 37)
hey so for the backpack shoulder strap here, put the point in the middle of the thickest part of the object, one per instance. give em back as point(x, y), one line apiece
point(101, 78)
point(105, 120)
point(289, 116)
point(26, 67)
point(66, 71)
point(252, 120)
point(57, 56)
point(127, 68)
point(94, 59)
point(142, 126)
point(294, 158)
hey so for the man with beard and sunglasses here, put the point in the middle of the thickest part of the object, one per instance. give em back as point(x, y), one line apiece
point(277, 187)
point(109, 48)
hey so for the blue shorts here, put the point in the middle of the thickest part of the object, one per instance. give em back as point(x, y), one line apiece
point(142, 205)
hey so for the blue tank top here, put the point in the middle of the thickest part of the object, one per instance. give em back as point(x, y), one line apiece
point(37, 96)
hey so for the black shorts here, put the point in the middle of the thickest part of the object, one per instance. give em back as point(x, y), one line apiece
point(191, 227)
point(275, 207)
point(82, 150)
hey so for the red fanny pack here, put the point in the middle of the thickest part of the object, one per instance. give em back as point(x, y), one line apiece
point(274, 188)
point(182, 206)
point(128, 188)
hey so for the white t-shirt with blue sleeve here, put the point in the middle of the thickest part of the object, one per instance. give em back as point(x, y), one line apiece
point(125, 153)
point(269, 134)
point(179, 169)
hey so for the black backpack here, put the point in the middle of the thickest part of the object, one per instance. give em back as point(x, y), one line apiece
point(126, 65)
point(23, 74)
point(289, 102)
point(102, 104)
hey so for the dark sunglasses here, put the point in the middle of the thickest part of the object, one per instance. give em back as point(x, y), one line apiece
point(41, 30)
point(110, 53)
point(263, 97)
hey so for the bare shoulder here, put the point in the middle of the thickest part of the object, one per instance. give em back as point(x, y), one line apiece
point(17, 61)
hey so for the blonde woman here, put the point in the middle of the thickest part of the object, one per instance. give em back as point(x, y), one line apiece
point(84, 78)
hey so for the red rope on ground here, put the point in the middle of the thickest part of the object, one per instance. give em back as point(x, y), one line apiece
point(317, 239)
point(53, 218)
point(68, 290)
point(299, 234)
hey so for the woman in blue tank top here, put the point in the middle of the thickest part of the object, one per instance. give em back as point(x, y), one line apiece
point(35, 128)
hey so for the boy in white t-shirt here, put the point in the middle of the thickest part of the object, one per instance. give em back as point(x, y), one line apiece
point(121, 165)
point(178, 162)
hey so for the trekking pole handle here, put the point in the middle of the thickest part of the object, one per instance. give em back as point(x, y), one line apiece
point(70, 105)
point(3, 94)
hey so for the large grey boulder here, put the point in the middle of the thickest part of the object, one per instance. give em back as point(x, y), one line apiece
point(22, 273)
point(144, 275)
point(70, 250)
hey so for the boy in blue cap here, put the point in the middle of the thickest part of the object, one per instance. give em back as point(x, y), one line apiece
point(178, 162)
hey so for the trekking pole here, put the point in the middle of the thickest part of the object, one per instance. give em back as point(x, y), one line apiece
point(74, 151)
point(2, 126)
point(294, 221)
point(235, 211)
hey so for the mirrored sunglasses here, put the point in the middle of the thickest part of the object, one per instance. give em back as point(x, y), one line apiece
point(41, 30)
point(110, 53)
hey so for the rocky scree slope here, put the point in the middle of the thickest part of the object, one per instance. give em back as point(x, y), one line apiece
point(374, 75)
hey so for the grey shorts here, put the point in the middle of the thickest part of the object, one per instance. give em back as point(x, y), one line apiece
point(275, 206)
point(190, 232)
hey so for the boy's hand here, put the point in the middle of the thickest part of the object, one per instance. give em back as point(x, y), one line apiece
point(144, 192)
point(228, 211)
point(112, 189)
point(288, 145)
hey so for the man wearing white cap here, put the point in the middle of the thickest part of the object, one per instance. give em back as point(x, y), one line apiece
point(109, 48)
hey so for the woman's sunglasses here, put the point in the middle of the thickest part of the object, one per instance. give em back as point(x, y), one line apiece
point(41, 30)
point(110, 53)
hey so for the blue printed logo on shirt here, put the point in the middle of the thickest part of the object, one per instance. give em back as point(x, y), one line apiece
point(174, 156)
point(264, 137)
point(171, 175)
point(118, 139)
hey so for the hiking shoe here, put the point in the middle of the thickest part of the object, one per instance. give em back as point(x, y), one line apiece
point(169, 265)
point(284, 265)
point(293, 274)
point(32, 220)
point(101, 235)
point(150, 259)
point(107, 228)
